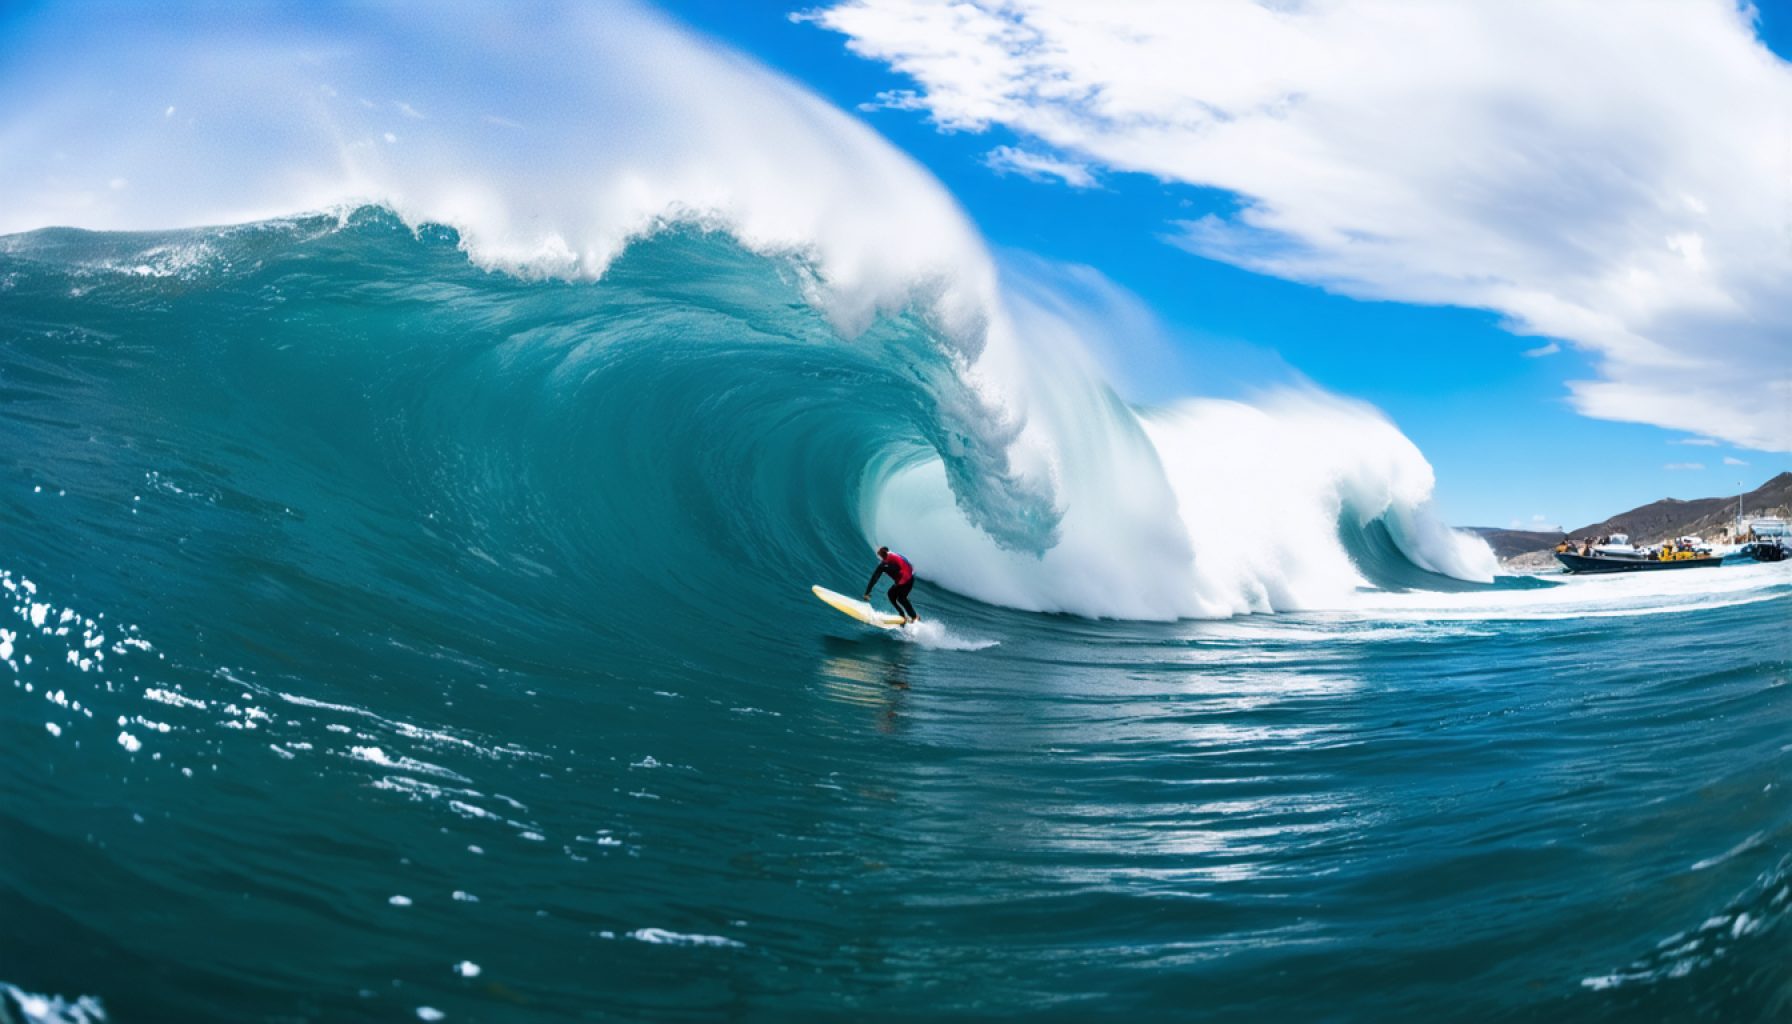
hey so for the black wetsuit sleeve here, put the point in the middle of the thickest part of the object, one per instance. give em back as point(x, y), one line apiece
point(881, 569)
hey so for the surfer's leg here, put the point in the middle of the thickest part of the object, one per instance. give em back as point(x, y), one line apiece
point(899, 598)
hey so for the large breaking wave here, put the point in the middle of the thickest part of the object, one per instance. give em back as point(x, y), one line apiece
point(691, 417)
point(636, 305)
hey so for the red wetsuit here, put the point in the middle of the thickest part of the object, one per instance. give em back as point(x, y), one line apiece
point(899, 568)
point(902, 576)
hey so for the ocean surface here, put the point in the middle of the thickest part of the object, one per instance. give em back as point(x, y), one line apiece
point(386, 638)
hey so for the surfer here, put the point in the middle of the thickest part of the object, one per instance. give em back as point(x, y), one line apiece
point(902, 580)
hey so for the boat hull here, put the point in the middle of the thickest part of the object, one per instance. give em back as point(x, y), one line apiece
point(1766, 551)
point(1583, 564)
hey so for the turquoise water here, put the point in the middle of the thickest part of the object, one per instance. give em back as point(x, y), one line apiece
point(386, 638)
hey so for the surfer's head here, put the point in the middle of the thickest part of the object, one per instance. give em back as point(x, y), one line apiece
point(881, 552)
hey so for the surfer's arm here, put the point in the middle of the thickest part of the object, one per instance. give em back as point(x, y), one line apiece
point(879, 571)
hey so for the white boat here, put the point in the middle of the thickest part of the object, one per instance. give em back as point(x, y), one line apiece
point(1618, 545)
point(1615, 553)
point(1770, 527)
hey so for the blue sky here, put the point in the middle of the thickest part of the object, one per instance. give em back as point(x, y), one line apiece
point(1498, 426)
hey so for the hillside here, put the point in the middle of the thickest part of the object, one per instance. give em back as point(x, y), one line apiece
point(1652, 523)
point(1701, 517)
point(1506, 543)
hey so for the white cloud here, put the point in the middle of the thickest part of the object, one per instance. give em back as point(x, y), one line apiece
point(894, 99)
point(1678, 466)
point(1548, 349)
point(407, 110)
point(1699, 442)
point(1731, 460)
point(1615, 181)
point(1039, 167)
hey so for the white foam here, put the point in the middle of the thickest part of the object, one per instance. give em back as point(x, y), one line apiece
point(1602, 982)
point(38, 1009)
point(375, 755)
point(1623, 595)
point(1207, 508)
point(662, 937)
point(173, 699)
point(404, 729)
point(467, 810)
point(1740, 848)
point(310, 703)
point(934, 634)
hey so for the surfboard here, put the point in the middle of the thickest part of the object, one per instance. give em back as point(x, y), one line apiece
point(858, 609)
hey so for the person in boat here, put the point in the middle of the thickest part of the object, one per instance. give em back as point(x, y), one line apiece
point(902, 580)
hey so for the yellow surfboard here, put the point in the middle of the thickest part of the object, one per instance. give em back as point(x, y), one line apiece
point(858, 609)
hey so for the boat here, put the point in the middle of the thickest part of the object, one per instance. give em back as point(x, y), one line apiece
point(1769, 540)
point(1578, 563)
point(1617, 554)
